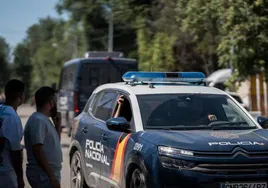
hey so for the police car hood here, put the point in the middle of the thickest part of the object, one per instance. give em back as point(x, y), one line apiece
point(209, 140)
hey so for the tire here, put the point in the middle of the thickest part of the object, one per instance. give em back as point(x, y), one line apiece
point(76, 172)
point(138, 179)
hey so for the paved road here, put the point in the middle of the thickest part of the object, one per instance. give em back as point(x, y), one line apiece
point(25, 111)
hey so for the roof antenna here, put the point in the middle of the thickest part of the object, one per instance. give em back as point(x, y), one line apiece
point(151, 85)
point(133, 82)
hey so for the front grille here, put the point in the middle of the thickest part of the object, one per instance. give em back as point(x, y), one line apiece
point(236, 151)
point(232, 154)
point(228, 169)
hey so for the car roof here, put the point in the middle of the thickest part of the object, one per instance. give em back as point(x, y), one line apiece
point(144, 89)
point(95, 59)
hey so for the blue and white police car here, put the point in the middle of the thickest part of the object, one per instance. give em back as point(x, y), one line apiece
point(165, 130)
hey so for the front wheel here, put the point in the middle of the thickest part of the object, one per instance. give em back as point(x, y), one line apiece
point(138, 179)
point(77, 175)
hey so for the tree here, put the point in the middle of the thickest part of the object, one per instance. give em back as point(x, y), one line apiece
point(94, 17)
point(165, 40)
point(48, 44)
point(200, 20)
point(245, 29)
point(4, 63)
point(53, 48)
point(23, 66)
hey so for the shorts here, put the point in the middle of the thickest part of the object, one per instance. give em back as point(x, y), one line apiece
point(8, 179)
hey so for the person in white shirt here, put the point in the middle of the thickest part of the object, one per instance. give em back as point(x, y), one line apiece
point(42, 142)
point(11, 133)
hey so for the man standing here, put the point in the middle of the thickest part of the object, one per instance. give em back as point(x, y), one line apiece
point(42, 142)
point(11, 133)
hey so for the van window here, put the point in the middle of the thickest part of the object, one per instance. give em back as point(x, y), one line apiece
point(118, 69)
point(68, 77)
point(94, 74)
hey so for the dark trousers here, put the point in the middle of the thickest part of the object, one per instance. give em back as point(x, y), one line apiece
point(38, 180)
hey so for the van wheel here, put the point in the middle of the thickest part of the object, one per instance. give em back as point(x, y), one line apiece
point(77, 175)
point(138, 179)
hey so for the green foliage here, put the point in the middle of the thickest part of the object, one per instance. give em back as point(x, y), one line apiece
point(22, 66)
point(155, 55)
point(144, 48)
point(174, 36)
point(57, 45)
point(94, 17)
point(164, 35)
point(48, 44)
point(4, 63)
point(199, 19)
point(245, 28)
point(155, 40)
point(162, 59)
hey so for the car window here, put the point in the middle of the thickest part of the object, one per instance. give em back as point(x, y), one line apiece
point(95, 102)
point(231, 114)
point(191, 111)
point(104, 106)
point(89, 103)
point(125, 111)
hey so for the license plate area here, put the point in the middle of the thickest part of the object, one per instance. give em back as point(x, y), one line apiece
point(244, 185)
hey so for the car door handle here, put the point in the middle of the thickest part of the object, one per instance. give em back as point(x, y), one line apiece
point(104, 136)
point(84, 130)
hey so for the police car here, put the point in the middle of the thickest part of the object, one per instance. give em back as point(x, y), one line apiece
point(165, 130)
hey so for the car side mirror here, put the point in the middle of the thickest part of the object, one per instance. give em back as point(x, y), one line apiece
point(118, 124)
point(263, 122)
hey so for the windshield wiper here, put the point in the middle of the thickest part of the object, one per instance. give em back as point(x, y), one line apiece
point(180, 127)
point(233, 125)
point(214, 125)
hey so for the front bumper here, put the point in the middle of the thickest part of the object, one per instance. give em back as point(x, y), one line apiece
point(187, 178)
point(204, 175)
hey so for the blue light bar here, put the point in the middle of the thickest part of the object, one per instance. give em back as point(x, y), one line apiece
point(159, 77)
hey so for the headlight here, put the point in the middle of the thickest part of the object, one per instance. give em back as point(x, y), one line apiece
point(162, 150)
point(173, 163)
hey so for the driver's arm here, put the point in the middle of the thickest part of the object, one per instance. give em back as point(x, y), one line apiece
point(120, 103)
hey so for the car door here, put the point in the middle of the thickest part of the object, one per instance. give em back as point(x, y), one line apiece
point(81, 131)
point(80, 124)
point(95, 153)
point(116, 141)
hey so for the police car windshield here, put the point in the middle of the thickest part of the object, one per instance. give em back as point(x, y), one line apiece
point(192, 111)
